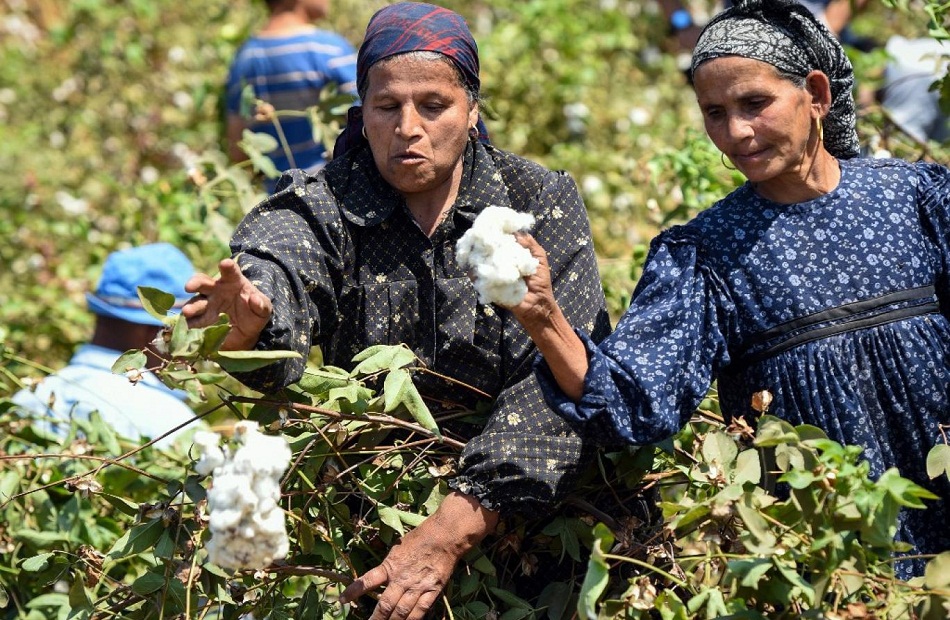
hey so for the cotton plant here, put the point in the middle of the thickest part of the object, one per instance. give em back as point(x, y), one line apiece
point(493, 257)
point(247, 524)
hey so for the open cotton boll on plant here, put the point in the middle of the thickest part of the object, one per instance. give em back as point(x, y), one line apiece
point(247, 525)
point(493, 257)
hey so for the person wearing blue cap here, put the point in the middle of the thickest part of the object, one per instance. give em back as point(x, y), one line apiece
point(144, 408)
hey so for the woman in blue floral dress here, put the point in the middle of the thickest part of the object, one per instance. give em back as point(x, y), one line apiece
point(824, 279)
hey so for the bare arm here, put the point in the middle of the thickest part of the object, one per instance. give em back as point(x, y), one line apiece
point(544, 321)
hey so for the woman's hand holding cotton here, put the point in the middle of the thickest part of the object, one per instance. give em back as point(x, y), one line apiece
point(493, 257)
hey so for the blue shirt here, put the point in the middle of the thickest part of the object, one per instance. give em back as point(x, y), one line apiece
point(87, 384)
point(838, 306)
point(289, 73)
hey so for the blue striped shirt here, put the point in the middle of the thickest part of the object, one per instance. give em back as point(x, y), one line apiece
point(289, 73)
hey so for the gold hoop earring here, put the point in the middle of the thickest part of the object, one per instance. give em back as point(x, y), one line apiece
point(363, 131)
point(821, 131)
point(722, 157)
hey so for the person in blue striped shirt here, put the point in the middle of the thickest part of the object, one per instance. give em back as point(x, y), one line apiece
point(287, 63)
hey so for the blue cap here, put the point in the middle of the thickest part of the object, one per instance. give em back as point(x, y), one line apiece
point(157, 265)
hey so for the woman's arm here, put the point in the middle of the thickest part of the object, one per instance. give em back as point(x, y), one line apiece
point(547, 326)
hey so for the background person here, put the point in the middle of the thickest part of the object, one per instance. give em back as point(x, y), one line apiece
point(146, 408)
point(363, 253)
point(287, 63)
point(824, 279)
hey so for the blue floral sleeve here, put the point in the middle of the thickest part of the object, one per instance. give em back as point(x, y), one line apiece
point(647, 378)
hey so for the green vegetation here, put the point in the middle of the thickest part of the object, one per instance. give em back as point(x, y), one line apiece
point(110, 134)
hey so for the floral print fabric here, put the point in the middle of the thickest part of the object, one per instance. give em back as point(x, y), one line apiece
point(746, 265)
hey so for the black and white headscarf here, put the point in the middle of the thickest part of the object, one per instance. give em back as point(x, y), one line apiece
point(786, 35)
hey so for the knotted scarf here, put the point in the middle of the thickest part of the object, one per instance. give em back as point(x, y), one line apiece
point(411, 27)
point(786, 35)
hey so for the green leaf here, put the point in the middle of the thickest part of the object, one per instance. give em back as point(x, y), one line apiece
point(720, 448)
point(156, 302)
point(213, 336)
point(148, 583)
point(259, 141)
point(184, 342)
point(750, 572)
point(9, 484)
point(773, 431)
point(40, 539)
point(755, 523)
point(598, 573)
point(904, 492)
point(244, 361)
point(390, 517)
point(133, 358)
point(122, 504)
point(556, 597)
point(410, 518)
point(938, 461)
point(78, 597)
point(670, 606)
point(398, 389)
point(748, 468)
point(510, 599)
point(937, 572)
point(137, 539)
point(36, 563)
point(381, 357)
point(321, 381)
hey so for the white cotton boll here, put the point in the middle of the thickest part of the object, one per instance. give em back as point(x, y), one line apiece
point(248, 528)
point(270, 523)
point(210, 455)
point(494, 258)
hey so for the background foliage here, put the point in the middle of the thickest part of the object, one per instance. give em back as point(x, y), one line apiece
point(110, 135)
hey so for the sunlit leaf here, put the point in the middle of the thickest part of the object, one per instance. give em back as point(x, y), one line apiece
point(390, 517)
point(381, 357)
point(938, 461)
point(156, 302)
point(36, 563)
point(720, 448)
point(399, 389)
point(137, 539)
point(598, 573)
point(937, 572)
point(131, 359)
point(245, 361)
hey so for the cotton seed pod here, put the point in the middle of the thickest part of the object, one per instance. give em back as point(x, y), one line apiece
point(761, 401)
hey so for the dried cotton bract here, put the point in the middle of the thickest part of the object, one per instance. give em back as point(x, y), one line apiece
point(246, 522)
point(494, 259)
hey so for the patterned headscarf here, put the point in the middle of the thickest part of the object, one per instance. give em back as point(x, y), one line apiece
point(786, 35)
point(411, 27)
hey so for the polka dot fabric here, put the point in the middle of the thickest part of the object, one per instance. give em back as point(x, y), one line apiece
point(347, 267)
point(713, 287)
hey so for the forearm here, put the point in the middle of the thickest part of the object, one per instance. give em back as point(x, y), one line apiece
point(562, 350)
point(462, 523)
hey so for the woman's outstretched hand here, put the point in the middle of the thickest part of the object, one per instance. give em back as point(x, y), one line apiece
point(233, 294)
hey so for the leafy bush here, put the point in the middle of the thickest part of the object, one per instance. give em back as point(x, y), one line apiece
point(116, 140)
point(369, 461)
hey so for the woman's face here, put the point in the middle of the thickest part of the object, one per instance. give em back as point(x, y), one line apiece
point(417, 118)
point(760, 120)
